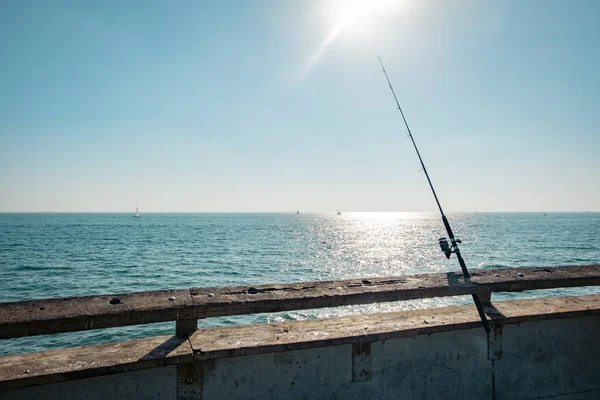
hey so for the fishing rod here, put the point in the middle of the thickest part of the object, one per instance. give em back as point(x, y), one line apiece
point(447, 248)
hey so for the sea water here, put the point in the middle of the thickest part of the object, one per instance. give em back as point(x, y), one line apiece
point(49, 255)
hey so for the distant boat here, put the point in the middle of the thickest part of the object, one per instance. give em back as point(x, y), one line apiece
point(339, 212)
point(137, 213)
point(297, 211)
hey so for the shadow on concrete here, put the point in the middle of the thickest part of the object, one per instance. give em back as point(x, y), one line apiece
point(165, 348)
point(492, 312)
point(453, 279)
point(457, 279)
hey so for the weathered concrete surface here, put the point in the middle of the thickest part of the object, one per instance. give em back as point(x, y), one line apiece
point(554, 357)
point(549, 349)
point(89, 361)
point(421, 367)
point(149, 384)
point(302, 374)
point(295, 335)
point(39, 317)
point(441, 365)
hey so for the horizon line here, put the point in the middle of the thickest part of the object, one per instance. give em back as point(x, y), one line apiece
point(293, 212)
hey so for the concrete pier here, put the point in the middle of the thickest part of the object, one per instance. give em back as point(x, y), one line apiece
point(545, 348)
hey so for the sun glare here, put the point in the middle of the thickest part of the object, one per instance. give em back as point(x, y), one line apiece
point(349, 12)
point(345, 15)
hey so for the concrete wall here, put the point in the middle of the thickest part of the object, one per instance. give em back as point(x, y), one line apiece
point(552, 359)
point(421, 367)
point(545, 359)
point(156, 383)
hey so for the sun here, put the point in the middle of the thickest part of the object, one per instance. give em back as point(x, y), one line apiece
point(356, 16)
point(349, 12)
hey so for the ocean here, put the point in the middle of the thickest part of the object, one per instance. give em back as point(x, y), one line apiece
point(45, 255)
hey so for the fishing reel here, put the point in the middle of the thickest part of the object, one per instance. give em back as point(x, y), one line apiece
point(446, 247)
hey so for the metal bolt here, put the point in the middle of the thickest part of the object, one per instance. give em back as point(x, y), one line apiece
point(172, 298)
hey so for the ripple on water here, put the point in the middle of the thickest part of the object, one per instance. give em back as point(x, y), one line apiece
point(43, 256)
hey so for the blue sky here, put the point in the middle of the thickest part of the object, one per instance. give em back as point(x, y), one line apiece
point(198, 106)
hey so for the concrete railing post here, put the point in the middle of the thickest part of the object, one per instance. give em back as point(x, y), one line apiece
point(188, 374)
point(185, 327)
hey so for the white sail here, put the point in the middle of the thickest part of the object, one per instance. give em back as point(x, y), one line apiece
point(137, 212)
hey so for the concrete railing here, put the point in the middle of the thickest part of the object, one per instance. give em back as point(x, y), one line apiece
point(186, 306)
point(191, 346)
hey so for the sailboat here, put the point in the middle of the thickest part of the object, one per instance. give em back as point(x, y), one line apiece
point(297, 211)
point(339, 212)
point(137, 213)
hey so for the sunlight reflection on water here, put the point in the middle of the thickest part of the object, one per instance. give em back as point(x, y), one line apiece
point(60, 255)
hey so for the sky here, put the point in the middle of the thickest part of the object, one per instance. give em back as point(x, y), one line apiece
point(274, 106)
